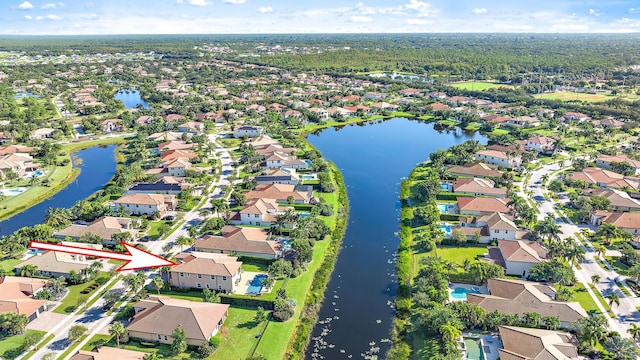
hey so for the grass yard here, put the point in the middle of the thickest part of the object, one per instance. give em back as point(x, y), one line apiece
point(585, 300)
point(8, 265)
point(163, 350)
point(568, 96)
point(615, 262)
point(238, 334)
point(453, 254)
point(425, 348)
point(11, 346)
point(479, 85)
point(38, 346)
point(70, 302)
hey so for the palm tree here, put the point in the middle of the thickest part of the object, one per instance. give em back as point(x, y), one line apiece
point(608, 231)
point(57, 285)
point(183, 241)
point(613, 299)
point(564, 293)
point(28, 270)
point(595, 278)
point(600, 250)
point(218, 206)
point(634, 331)
point(551, 322)
point(116, 330)
point(158, 283)
point(634, 272)
point(58, 217)
point(478, 272)
point(575, 252)
point(449, 332)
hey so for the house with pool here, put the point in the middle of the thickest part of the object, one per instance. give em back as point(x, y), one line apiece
point(517, 257)
point(525, 343)
point(242, 241)
point(259, 212)
point(301, 194)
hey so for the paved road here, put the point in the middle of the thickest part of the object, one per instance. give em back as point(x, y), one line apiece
point(94, 318)
point(626, 312)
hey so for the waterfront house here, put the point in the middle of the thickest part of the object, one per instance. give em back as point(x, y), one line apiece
point(147, 204)
point(278, 176)
point(104, 227)
point(301, 194)
point(478, 187)
point(479, 169)
point(42, 134)
point(517, 297)
point(156, 317)
point(517, 257)
point(495, 225)
point(498, 158)
point(18, 163)
point(243, 241)
point(259, 212)
point(481, 206)
point(520, 343)
point(205, 270)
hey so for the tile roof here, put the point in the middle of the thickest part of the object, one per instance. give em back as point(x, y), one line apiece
point(522, 251)
point(208, 264)
point(476, 169)
point(489, 204)
point(536, 344)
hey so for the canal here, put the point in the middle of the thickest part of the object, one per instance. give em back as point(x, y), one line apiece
point(355, 319)
point(97, 166)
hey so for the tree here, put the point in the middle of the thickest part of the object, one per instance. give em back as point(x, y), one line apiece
point(634, 331)
point(204, 350)
point(28, 270)
point(564, 293)
point(151, 356)
point(158, 283)
point(595, 279)
point(76, 332)
point(13, 323)
point(31, 339)
point(57, 286)
point(531, 318)
point(260, 316)
point(111, 297)
point(179, 344)
point(600, 250)
point(551, 322)
point(183, 241)
point(117, 330)
point(280, 268)
point(210, 296)
point(449, 332)
point(590, 330)
point(624, 349)
point(613, 298)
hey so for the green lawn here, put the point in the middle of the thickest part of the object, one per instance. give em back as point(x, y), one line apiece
point(568, 96)
point(479, 85)
point(454, 254)
point(163, 350)
point(39, 346)
point(9, 264)
point(69, 303)
point(615, 262)
point(581, 295)
point(238, 335)
point(11, 346)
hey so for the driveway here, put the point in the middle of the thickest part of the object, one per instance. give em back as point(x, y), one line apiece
point(46, 321)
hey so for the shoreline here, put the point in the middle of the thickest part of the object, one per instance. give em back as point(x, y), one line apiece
point(72, 173)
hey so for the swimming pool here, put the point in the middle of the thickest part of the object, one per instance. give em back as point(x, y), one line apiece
point(12, 192)
point(308, 162)
point(255, 286)
point(446, 228)
point(444, 187)
point(38, 173)
point(307, 177)
point(443, 208)
point(461, 293)
point(303, 215)
point(474, 349)
point(34, 252)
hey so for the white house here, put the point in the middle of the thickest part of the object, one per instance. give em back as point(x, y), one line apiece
point(146, 204)
point(498, 158)
point(259, 212)
point(248, 131)
point(541, 144)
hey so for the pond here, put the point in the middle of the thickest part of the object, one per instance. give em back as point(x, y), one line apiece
point(97, 167)
point(357, 313)
point(131, 98)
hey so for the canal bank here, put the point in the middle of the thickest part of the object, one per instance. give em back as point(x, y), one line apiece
point(357, 312)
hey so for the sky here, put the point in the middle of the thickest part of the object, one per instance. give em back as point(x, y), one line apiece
point(78, 17)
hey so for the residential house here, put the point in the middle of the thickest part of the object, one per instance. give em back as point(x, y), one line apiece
point(144, 120)
point(524, 121)
point(384, 106)
point(476, 170)
point(606, 162)
point(177, 167)
point(542, 144)
point(156, 317)
point(247, 130)
point(517, 257)
point(410, 92)
point(147, 204)
point(278, 176)
point(12, 149)
point(481, 205)
point(173, 145)
point(105, 227)
point(322, 114)
point(301, 194)
point(159, 187)
point(520, 343)
point(605, 178)
point(56, 264)
point(108, 353)
point(165, 136)
point(575, 116)
point(241, 241)
point(478, 187)
point(494, 226)
point(111, 125)
point(375, 96)
point(173, 117)
point(620, 200)
point(205, 270)
point(498, 158)
point(16, 296)
point(259, 212)
point(19, 163)
point(177, 154)
point(42, 134)
point(280, 160)
point(518, 296)
point(191, 127)
point(438, 106)
point(625, 221)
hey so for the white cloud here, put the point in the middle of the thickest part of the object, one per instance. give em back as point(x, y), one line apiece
point(25, 6)
point(360, 19)
point(594, 12)
point(235, 2)
point(91, 16)
point(52, 6)
point(632, 10)
point(51, 17)
point(265, 9)
point(421, 8)
point(479, 11)
point(417, 22)
point(28, 17)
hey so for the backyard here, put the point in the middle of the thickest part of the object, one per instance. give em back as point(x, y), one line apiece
point(11, 346)
point(71, 300)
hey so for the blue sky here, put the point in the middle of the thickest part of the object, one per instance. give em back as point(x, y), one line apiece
point(315, 16)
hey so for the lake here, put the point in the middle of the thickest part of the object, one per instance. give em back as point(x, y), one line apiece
point(131, 98)
point(357, 313)
point(97, 167)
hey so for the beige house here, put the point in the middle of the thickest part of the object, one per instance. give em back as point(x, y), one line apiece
point(517, 297)
point(259, 212)
point(605, 178)
point(517, 257)
point(252, 242)
point(104, 227)
point(498, 158)
point(620, 200)
point(203, 270)
point(476, 170)
point(468, 205)
point(606, 161)
point(537, 344)
point(158, 316)
point(56, 264)
point(301, 194)
point(494, 226)
point(147, 204)
point(108, 353)
point(16, 296)
point(625, 221)
point(478, 187)
point(19, 163)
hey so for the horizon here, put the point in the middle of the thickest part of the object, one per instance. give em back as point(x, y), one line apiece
point(249, 17)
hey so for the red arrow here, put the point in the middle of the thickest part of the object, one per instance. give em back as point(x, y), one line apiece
point(135, 259)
